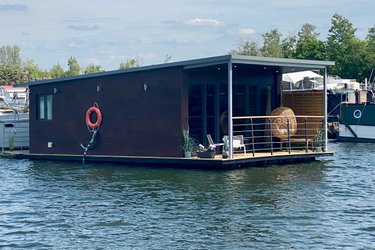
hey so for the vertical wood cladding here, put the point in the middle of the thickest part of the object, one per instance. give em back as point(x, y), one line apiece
point(304, 102)
point(142, 114)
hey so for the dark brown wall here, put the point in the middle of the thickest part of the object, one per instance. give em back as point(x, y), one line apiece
point(135, 122)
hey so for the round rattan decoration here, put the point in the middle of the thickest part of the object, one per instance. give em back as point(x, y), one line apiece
point(279, 124)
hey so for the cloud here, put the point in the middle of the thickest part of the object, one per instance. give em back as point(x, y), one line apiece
point(204, 22)
point(13, 7)
point(246, 31)
point(84, 27)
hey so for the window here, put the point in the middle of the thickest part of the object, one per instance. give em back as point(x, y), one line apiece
point(44, 107)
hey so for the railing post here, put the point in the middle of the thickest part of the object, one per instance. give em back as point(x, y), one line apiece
point(252, 136)
point(324, 135)
point(271, 144)
point(2, 127)
point(306, 136)
point(288, 123)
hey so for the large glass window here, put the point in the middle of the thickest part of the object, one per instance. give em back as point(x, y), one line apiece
point(44, 107)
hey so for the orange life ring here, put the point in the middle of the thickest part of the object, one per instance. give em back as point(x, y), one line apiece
point(98, 115)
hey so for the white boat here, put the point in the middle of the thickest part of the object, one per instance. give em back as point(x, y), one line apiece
point(14, 118)
point(14, 131)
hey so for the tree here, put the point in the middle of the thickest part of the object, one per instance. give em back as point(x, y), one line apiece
point(10, 65)
point(370, 51)
point(10, 55)
point(341, 31)
point(167, 58)
point(356, 61)
point(247, 48)
point(73, 67)
point(272, 44)
point(57, 71)
point(288, 46)
point(92, 68)
point(370, 38)
point(307, 32)
point(308, 45)
point(32, 71)
point(342, 47)
point(130, 63)
point(10, 74)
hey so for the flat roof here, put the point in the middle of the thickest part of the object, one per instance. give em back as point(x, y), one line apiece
point(203, 62)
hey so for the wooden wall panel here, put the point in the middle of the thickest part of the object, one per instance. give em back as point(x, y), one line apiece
point(304, 102)
point(307, 103)
point(135, 122)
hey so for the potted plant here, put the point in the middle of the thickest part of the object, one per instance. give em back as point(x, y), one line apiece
point(188, 143)
point(318, 140)
point(209, 152)
point(225, 152)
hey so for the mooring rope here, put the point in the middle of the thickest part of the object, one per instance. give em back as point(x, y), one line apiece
point(89, 145)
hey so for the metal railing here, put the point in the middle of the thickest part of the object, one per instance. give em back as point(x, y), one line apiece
point(278, 133)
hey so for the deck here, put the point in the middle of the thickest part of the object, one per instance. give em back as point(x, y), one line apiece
point(240, 160)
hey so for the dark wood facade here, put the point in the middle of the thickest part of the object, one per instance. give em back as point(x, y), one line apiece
point(143, 113)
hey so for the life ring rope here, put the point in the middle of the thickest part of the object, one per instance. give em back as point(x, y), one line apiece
point(94, 125)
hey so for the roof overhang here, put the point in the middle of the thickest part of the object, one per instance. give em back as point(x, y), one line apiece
point(285, 65)
point(281, 62)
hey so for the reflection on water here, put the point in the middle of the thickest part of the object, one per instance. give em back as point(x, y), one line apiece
point(324, 204)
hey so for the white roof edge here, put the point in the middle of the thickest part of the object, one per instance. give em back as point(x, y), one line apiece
point(275, 61)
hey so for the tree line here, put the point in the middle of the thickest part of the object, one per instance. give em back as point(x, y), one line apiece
point(355, 58)
point(14, 70)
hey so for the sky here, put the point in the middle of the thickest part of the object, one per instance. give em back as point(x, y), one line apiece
point(108, 32)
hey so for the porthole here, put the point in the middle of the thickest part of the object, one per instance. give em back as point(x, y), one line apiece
point(357, 113)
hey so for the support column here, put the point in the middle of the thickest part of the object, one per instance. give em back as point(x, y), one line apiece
point(325, 109)
point(217, 113)
point(204, 112)
point(230, 108)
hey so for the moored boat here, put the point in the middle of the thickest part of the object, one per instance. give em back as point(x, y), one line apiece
point(357, 122)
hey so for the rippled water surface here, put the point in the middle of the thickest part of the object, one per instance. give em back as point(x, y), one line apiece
point(321, 205)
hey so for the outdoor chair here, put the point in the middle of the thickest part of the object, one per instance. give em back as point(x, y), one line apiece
point(211, 141)
point(238, 142)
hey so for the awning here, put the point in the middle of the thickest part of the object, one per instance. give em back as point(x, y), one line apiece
point(299, 76)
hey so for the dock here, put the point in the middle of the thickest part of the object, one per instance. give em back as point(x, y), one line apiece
point(240, 160)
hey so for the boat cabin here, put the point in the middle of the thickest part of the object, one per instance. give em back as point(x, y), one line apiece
point(140, 115)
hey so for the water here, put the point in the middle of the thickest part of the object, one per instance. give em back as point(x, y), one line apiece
point(326, 204)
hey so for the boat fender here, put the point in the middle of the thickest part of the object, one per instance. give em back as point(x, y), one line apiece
point(90, 124)
point(357, 113)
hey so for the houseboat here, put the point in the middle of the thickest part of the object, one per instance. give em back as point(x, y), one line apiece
point(139, 115)
point(357, 118)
